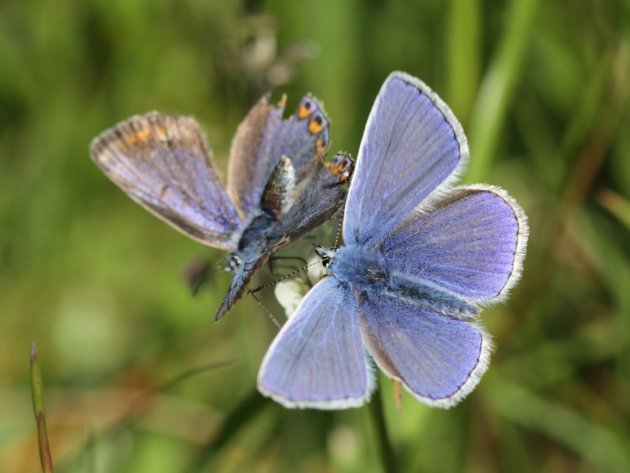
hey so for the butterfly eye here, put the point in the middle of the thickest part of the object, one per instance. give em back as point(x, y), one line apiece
point(233, 263)
point(316, 124)
point(305, 109)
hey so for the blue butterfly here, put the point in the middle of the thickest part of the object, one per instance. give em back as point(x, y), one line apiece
point(420, 259)
point(278, 186)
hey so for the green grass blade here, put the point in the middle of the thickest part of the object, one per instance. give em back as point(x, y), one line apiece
point(37, 387)
point(388, 457)
point(498, 86)
point(464, 55)
point(602, 447)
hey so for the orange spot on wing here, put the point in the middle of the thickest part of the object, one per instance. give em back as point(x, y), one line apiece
point(304, 111)
point(140, 135)
point(315, 126)
point(339, 170)
point(144, 135)
point(320, 146)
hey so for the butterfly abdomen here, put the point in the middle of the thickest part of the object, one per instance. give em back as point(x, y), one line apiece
point(426, 294)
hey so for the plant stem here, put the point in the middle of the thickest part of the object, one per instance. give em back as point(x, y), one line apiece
point(388, 457)
point(498, 86)
point(37, 387)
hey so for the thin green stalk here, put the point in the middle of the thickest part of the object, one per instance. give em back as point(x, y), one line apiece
point(595, 442)
point(463, 41)
point(388, 457)
point(37, 387)
point(497, 87)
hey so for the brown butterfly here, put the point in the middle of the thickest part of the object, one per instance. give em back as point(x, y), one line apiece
point(279, 187)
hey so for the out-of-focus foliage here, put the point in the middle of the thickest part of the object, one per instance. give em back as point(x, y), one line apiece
point(542, 91)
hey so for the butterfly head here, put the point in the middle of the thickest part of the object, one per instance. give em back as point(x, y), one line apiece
point(234, 261)
point(326, 254)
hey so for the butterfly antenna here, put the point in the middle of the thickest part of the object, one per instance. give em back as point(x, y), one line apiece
point(339, 227)
point(265, 309)
point(286, 276)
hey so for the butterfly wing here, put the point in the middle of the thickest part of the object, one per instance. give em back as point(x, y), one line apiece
point(163, 163)
point(251, 163)
point(437, 358)
point(319, 195)
point(260, 141)
point(242, 275)
point(412, 147)
point(471, 242)
point(317, 359)
point(297, 212)
point(303, 136)
point(281, 184)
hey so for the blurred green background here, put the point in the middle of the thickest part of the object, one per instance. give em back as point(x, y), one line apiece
point(541, 89)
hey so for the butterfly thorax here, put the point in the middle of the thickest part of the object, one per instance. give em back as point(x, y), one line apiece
point(261, 237)
point(256, 233)
point(359, 266)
